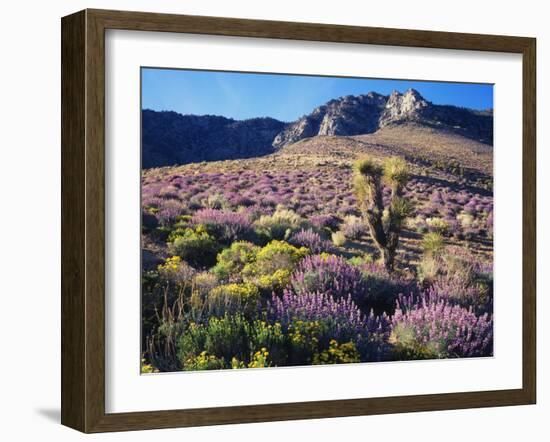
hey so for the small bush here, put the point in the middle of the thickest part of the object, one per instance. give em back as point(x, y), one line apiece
point(279, 226)
point(203, 361)
point(360, 261)
point(270, 336)
point(196, 247)
point(233, 298)
point(339, 238)
point(428, 268)
point(438, 225)
point(277, 255)
point(232, 341)
point(433, 244)
point(306, 338)
point(225, 338)
point(231, 261)
point(465, 220)
point(274, 282)
point(354, 227)
point(215, 201)
point(337, 354)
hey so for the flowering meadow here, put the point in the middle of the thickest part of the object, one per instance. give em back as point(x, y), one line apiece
point(291, 260)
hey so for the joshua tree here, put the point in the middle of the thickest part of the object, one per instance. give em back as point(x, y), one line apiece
point(384, 222)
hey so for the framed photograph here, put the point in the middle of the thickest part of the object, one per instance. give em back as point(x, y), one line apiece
point(267, 221)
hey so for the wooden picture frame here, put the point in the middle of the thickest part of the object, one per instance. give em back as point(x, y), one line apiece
point(83, 220)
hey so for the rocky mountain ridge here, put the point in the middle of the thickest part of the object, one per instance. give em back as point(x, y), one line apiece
point(363, 114)
point(169, 138)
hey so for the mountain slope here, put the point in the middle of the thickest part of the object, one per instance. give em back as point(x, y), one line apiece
point(416, 143)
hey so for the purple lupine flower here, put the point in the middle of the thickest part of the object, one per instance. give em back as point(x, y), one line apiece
point(328, 274)
point(311, 240)
point(444, 329)
point(323, 220)
point(169, 210)
point(341, 318)
point(224, 224)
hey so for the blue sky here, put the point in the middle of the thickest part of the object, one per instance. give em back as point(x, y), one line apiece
point(285, 97)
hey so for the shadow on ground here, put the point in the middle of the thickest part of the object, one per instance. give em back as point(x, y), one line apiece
point(51, 414)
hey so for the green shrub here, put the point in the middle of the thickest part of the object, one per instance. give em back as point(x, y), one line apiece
point(438, 225)
point(428, 268)
point(196, 247)
point(233, 340)
point(273, 266)
point(277, 255)
point(405, 346)
point(225, 337)
point(231, 261)
point(216, 201)
point(271, 337)
point(203, 361)
point(274, 282)
point(259, 359)
point(337, 354)
point(433, 244)
point(459, 263)
point(233, 298)
point(360, 261)
point(306, 338)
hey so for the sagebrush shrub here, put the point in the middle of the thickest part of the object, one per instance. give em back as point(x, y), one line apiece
point(338, 238)
point(280, 225)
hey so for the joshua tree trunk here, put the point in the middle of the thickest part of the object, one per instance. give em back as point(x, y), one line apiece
point(388, 258)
